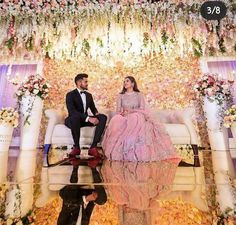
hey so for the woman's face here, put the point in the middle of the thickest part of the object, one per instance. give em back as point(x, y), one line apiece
point(128, 84)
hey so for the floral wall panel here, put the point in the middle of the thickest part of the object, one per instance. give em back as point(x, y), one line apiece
point(165, 81)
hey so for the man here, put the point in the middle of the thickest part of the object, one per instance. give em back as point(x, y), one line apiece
point(78, 102)
point(78, 203)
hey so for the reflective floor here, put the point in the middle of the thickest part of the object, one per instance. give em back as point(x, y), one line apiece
point(91, 191)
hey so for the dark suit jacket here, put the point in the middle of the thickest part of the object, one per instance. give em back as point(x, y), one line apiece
point(75, 107)
point(72, 196)
point(72, 200)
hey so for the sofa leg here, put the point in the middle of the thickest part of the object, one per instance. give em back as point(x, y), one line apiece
point(45, 155)
point(196, 156)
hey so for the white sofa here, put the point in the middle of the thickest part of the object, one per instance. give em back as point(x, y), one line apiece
point(179, 125)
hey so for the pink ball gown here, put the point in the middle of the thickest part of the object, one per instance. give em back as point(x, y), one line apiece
point(136, 136)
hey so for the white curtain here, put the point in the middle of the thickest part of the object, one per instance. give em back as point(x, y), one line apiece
point(222, 67)
point(7, 89)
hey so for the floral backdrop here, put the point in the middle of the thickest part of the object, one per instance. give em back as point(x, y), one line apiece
point(159, 43)
point(165, 82)
point(112, 30)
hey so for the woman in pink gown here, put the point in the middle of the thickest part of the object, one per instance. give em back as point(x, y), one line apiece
point(132, 135)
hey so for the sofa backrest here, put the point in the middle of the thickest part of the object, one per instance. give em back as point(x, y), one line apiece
point(167, 116)
point(174, 116)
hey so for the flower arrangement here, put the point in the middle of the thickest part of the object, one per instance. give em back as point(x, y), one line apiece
point(213, 88)
point(230, 116)
point(9, 116)
point(25, 220)
point(34, 85)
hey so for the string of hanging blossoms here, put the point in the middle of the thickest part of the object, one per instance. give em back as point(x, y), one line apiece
point(109, 31)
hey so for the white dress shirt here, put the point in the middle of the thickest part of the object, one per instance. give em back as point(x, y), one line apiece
point(83, 97)
point(80, 210)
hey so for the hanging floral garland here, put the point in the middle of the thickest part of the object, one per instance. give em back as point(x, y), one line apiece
point(110, 31)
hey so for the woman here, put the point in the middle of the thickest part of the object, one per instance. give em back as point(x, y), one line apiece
point(131, 134)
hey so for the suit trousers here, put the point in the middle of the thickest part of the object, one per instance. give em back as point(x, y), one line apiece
point(75, 123)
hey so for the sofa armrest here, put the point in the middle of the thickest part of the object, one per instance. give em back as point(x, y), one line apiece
point(54, 117)
point(187, 117)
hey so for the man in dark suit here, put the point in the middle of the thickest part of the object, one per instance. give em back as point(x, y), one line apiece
point(78, 203)
point(78, 102)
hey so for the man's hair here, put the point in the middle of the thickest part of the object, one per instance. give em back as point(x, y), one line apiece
point(80, 76)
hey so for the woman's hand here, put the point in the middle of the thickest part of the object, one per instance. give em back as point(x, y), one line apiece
point(126, 111)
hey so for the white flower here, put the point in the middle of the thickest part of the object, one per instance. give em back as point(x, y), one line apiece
point(36, 86)
point(27, 93)
point(204, 85)
point(196, 86)
point(9, 221)
point(226, 125)
point(18, 93)
point(9, 116)
point(36, 91)
point(19, 223)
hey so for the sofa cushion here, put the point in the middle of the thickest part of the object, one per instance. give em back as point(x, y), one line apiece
point(60, 130)
point(166, 116)
point(178, 133)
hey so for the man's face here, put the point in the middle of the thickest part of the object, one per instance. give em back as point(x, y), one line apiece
point(83, 84)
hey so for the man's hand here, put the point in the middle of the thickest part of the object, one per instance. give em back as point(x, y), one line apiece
point(93, 120)
point(91, 197)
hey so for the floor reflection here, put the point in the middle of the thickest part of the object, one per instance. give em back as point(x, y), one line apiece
point(79, 201)
point(138, 183)
point(102, 192)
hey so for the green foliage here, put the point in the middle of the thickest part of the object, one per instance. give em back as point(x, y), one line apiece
point(221, 45)
point(10, 43)
point(145, 39)
point(29, 45)
point(86, 47)
point(197, 47)
point(164, 37)
point(99, 42)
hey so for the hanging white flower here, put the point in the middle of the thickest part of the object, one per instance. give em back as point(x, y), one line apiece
point(35, 91)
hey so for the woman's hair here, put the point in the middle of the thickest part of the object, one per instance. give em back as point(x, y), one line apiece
point(132, 79)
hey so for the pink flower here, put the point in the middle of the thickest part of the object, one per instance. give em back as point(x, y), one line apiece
point(225, 86)
point(216, 88)
point(204, 84)
point(210, 92)
point(211, 80)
